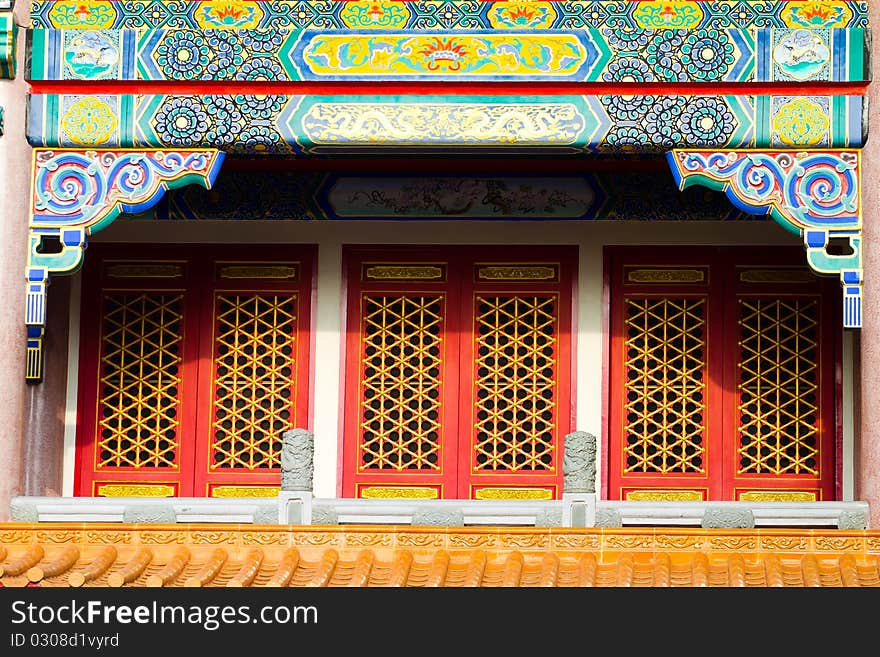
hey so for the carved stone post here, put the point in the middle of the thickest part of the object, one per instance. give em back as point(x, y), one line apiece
point(579, 480)
point(297, 473)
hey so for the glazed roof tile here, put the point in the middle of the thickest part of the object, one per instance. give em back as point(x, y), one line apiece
point(113, 555)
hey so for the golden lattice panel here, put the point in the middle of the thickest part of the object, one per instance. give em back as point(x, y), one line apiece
point(515, 382)
point(254, 379)
point(401, 382)
point(778, 387)
point(664, 385)
point(139, 405)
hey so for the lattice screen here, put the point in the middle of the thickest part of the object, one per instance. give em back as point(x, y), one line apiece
point(778, 387)
point(401, 386)
point(139, 404)
point(515, 383)
point(664, 385)
point(254, 379)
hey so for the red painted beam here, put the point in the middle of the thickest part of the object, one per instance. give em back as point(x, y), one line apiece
point(383, 88)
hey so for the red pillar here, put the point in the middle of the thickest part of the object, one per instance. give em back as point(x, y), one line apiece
point(867, 453)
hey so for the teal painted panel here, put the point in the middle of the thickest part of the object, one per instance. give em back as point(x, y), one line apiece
point(590, 55)
point(289, 124)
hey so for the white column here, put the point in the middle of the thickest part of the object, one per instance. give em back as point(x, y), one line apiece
point(326, 362)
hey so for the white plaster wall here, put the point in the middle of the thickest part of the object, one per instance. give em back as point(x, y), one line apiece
point(589, 236)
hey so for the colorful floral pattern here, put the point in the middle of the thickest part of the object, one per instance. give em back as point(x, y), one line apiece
point(181, 120)
point(707, 55)
point(446, 14)
point(801, 122)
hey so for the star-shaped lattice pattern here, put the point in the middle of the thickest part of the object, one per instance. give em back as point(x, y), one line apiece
point(778, 388)
point(665, 385)
point(139, 405)
point(515, 382)
point(254, 379)
point(401, 380)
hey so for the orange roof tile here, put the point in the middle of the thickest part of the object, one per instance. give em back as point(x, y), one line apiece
point(211, 555)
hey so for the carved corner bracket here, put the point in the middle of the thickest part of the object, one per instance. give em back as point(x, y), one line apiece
point(76, 193)
point(815, 194)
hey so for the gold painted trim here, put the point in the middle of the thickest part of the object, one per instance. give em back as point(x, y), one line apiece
point(144, 271)
point(776, 276)
point(134, 490)
point(516, 273)
point(777, 496)
point(405, 492)
point(258, 271)
point(664, 496)
point(666, 276)
point(245, 491)
point(513, 494)
point(403, 272)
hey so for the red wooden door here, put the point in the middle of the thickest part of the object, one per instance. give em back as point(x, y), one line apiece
point(193, 362)
point(721, 375)
point(457, 372)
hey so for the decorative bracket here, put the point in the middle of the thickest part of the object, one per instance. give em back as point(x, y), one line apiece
point(815, 194)
point(76, 193)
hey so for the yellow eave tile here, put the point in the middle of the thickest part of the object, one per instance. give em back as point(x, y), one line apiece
point(214, 555)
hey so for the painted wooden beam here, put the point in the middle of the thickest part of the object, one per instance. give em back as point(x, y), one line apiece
point(255, 124)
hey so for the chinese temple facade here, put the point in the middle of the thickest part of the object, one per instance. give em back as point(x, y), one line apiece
point(445, 292)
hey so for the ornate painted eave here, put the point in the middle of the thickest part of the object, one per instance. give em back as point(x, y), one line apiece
point(212, 555)
point(77, 193)
point(816, 194)
point(317, 78)
point(454, 14)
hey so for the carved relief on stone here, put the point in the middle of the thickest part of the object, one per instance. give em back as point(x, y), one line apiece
point(154, 514)
point(852, 520)
point(297, 460)
point(549, 518)
point(24, 513)
point(608, 518)
point(324, 515)
point(716, 517)
point(266, 514)
point(579, 463)
point(431, 517)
